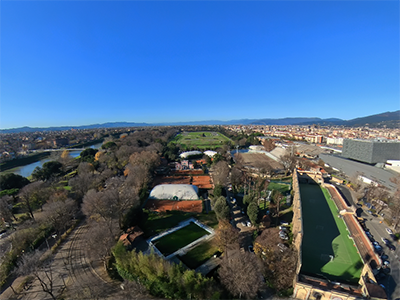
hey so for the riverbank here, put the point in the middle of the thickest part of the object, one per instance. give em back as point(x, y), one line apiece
point(19, 162)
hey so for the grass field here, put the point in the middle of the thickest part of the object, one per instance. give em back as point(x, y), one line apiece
point(199, 255)
point(327, 251)
point(201, 140)
point(178, 239)
point(155, 223)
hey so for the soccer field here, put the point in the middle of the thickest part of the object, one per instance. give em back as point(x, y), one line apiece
point(172, 242)
point(201, 140)
point(327, 250)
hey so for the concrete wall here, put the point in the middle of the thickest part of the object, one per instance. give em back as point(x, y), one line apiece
point(371, 152)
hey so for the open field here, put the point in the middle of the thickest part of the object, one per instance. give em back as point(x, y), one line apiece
point(327, 250)
point(172, 242)
point(199, 255)
point(202, 140)
point(257, 159)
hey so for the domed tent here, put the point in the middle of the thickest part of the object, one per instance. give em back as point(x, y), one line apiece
point(174, 192)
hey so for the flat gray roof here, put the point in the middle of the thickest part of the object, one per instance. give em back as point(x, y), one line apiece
point(350, 167)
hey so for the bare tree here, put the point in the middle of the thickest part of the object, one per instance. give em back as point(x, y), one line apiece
point(226, 235)
point(60, 213)
point(236, 178)
point(220, 173)
point(100, 240)
point(394, 202)
point(6, 213)
point(31, 264)
point(30, 197)
point(289, 160)
point(269, 145)
point(241, 273)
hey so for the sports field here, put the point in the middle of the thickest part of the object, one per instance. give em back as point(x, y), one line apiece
point(201, 139)
point(178, 239)
point(327, 251)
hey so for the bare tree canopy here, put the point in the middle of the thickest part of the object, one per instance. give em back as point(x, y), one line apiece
point(241, 273)
point(220, 173)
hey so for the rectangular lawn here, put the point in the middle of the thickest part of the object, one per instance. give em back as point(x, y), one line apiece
point(327, 250)
point(199, 255)
point(178, 239)
point(202, 140)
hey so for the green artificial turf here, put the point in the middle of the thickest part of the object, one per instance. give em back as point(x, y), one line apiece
point(199, 255)
point(209, 140)
point(326, 236)
point(178, 239)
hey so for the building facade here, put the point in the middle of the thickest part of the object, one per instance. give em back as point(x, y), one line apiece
point(370, 151)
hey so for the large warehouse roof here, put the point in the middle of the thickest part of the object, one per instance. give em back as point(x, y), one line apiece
point(174, 192)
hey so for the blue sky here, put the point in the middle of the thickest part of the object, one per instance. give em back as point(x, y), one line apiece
point(85, 62)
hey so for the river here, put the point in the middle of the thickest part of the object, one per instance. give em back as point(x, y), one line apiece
point(27, 170)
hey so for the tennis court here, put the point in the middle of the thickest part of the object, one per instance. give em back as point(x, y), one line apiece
point(327, 250)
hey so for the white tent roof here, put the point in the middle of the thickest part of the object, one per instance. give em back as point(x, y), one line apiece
point(210, 153)
point(174, 192)
point(189, 153)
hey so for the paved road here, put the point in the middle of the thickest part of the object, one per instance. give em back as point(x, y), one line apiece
point(72, 269)
point(377, 229)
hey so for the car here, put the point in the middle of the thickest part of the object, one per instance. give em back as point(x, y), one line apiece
point(370, 212)
point(233, 200)
point(388, 230)
point(385, 241)
point(391, 247)
point(282, 247)
point(283, 228)
point(368, 234)
point(248, 224)
point(375, 243)
point(251, 248)
point(386, 262)
point(384, 257)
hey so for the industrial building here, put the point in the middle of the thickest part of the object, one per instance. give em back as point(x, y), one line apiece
point(371, 151)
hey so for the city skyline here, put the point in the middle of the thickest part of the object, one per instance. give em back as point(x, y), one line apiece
point(80, 63)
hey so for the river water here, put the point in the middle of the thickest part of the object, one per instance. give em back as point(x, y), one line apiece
point(27, 170)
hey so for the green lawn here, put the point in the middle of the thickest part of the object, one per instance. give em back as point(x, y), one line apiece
point(199, 255)
point(172, 242)
point(155, 223)
point(327, 251)
point(202, 139)
point(283, 188)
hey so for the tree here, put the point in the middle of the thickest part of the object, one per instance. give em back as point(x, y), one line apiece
point(49, 170)
point(12, 181)
point(100, 240)
point(220, 173)
point(241, 274)
point(221, 208)
point(394, 202)
point(30, 196)
point(31, 264)
point(252, 212)
point(269, 145)
point(277, 197)
point(60, 213)
point(289, 160)
point(236, 178)
point(88, 154)
point(226, 235)
point(6, 213)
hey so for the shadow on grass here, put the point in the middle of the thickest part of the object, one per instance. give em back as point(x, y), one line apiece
point(319, 229)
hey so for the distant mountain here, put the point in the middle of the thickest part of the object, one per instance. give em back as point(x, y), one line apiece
point(378, 120)
point(387, 119)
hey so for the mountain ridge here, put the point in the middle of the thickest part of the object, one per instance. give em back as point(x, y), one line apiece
point(385, 119)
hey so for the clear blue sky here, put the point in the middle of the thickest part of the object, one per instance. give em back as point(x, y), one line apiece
point(85, 62)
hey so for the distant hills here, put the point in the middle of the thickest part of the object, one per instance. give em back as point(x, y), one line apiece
point(386, 119)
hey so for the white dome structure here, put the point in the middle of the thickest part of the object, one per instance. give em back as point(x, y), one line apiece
point(189, 153)
point(174, 192)
point(210, 153)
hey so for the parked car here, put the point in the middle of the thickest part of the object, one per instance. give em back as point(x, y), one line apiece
point(251, 248)
point(384, 257)
point(282, 247)
point(388, 230)
point(385, 241)
point(368, 234)
point(248, 224)
point(391, 247)
point(386, 262)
